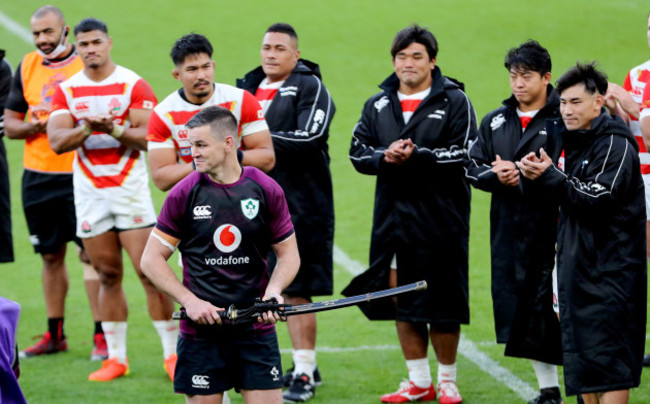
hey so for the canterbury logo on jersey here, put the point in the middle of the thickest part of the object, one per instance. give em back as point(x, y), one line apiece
point(200, 382)
point(202, 212)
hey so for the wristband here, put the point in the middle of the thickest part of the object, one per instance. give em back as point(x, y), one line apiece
point(240, 155)
point(117, 131)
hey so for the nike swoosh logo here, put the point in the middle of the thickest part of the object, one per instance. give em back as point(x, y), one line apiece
point(414, 397)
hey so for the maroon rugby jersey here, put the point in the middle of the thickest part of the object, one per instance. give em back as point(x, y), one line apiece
point(225, 232)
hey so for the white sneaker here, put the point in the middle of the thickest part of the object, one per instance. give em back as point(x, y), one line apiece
point(448, 393)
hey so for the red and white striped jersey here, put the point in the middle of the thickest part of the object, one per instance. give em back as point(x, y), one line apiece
point(103, 165)
point(525, 118)
point(635, 83)
point(265, 93)
point(167, 123)
point(410, 103)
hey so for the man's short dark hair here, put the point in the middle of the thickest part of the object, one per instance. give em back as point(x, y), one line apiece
point(415, 33)
point(90, 24)
point(190, 44)
point(530, 55)
point(595, 81)
point(221, 121)
point(283, 28)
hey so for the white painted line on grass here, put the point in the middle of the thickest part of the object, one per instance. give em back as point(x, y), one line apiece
point(471, 352)
point(15, 28)
point(466, 348)
point(344, 261)
point(333, 349)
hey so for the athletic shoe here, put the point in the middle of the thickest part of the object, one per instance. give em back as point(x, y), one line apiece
point(46, 345)
point(545, 399)
point(646, 360)
point(170, 365)
point(449, 393)
point(408, 392)
point(548, 396)
point(300, 390)
point(111, 369)
point(288, 377)
point(100, 349)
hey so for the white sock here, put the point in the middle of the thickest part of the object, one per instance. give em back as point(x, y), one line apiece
point(446, 373)
point(546, 374)
point(419, 372)
point(168, 332)
point(304, 361)
point(115, 333)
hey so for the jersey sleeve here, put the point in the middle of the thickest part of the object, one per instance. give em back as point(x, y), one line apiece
point(252, 117)
point(627, 83)
point(158, 133)
point(281, 225)
point(59, 102)
point(143, 96)
point(171, 214)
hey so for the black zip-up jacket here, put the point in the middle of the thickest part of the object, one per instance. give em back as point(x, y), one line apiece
point(299, 118)
point(522, 233)
point(601, 257)
point(422, 206)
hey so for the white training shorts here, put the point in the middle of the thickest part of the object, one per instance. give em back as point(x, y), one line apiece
point(99, 213)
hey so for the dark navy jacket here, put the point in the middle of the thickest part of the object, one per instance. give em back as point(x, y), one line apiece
point(299, 118)
point(421, 212)
point(522, 233)
point(601, 258)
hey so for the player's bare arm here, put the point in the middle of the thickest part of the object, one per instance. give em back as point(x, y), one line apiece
point(154, 265)
point(63, 135)
point(532, 167)
point(258, 150)
point(17, 128)
point(286, 268)
point(165, 169)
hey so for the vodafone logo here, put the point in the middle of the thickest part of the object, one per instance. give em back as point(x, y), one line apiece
point(227, 238)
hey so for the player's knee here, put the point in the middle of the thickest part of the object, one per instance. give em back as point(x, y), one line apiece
point(109, 275)
point(53, 261)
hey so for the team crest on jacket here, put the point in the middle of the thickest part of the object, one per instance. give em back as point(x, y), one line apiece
point(250, 207)
point(381, 103)
point(497, 121)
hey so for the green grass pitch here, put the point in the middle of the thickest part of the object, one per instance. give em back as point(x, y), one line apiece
point(359, 359)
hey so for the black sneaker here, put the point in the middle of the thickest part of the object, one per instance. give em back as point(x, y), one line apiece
point(548, 396)
point(288, 377)
point(300, 390)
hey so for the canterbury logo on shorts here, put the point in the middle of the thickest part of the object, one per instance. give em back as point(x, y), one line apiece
point(200, 382)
